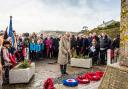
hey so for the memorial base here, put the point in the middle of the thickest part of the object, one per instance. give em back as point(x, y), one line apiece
point(115, 77)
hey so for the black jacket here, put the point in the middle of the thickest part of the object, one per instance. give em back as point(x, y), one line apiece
point(104, 43)
point(73, 43)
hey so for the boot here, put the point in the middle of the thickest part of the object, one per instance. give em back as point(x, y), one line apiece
point(65, 69)
point(62, 70)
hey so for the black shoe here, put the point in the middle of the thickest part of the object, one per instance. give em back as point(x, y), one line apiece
point(66, 73)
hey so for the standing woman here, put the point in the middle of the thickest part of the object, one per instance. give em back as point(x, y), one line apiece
point(48, 46)
point(64, 53)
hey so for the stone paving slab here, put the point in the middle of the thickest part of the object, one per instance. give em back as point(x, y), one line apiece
point(92, 85)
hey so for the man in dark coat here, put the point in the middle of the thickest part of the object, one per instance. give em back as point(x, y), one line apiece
point(116, 46)
point(85, 46)
point(73, 44)
point(90, 39)
point(55, 47)
point(79, 45)
point(103, 48)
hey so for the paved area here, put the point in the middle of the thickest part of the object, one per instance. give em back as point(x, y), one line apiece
point(44, 70)
point(92, 85)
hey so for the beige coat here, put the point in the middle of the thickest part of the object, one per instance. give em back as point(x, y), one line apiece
point(64, 46)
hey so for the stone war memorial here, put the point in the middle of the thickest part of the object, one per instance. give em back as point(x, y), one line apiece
point(116, 76)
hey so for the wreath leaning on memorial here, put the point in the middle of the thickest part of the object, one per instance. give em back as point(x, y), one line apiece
point(91, 76)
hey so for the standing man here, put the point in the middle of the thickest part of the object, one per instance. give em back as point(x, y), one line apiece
point(116, 46)
point(103, 48)
point(64, 53)
point(73, 44)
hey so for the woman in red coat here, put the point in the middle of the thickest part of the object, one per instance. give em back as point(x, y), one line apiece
point(48, 43)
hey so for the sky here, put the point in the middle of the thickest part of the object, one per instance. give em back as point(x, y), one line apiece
point(62, 15)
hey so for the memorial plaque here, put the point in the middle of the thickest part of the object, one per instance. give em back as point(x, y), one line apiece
point(115, 78)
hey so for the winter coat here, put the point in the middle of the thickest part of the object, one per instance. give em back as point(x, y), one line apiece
point(96, 38)
point(5, 56)
point(79, 42)
point(49, 43)
point(42, 46)
point(20, 46)
point(73, 43)
point(85, 43)
point(64, 46)
point(116, 43)
point(104, 43)
point(56, 44)
point(90, 41)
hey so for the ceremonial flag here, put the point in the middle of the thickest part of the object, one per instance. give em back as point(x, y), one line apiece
point(6, 34)
point(10, 33)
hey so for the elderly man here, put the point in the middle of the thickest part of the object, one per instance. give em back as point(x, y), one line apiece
point(64, 53)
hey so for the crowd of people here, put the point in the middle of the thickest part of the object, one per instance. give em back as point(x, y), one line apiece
point(35, 47)
point(26, 47)
point(95, 46)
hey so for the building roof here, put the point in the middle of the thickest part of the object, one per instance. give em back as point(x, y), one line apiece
point(107, 23)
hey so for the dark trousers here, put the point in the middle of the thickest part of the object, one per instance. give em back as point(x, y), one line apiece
point(78, 50)
point(50, 52)
point(95, 57)
point(103, 55)
point(38, 55)
point(63, 68)
point(33, 55)
point(21, 56)
point(6, 74)
point(55, 54)
point(85, 52)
